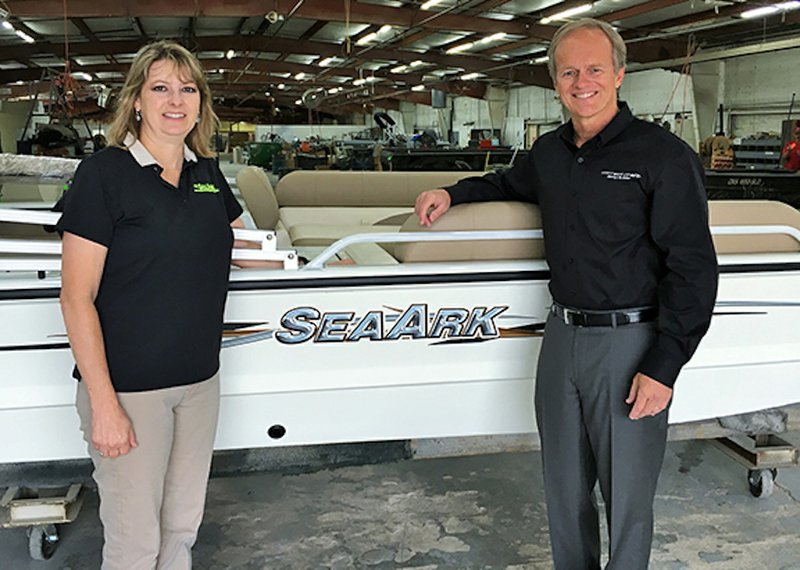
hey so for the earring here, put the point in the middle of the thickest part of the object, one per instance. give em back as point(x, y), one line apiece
point(197, 120)
point(138, 114)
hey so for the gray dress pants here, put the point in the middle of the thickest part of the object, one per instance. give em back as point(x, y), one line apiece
point(583, 379)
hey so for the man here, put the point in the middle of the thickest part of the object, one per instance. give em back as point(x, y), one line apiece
point(790, 155)
point(633, 280)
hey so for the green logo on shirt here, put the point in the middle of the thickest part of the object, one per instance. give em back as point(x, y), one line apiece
point(209, 188)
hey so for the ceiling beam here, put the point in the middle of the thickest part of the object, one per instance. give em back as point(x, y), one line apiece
point(471, 63)
point(312, 30)
point(639, 9)
point(310, 9)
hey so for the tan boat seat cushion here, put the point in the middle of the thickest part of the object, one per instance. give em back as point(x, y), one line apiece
point(326, 234)
point(475, 216)
point(258, 195)
point(754, 213)
point(361, 188)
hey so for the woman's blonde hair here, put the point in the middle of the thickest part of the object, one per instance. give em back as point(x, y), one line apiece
point(125, 122)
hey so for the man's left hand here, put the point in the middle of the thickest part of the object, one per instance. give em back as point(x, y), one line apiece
point(648, 396)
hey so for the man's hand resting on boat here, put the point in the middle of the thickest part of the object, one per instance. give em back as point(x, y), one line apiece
point(648, 396)
point(112, 431)
point(431, 205)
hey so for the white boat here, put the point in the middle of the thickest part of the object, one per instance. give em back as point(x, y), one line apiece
point(405, 349)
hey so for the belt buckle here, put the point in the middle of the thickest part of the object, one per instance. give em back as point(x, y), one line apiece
point(566, 315)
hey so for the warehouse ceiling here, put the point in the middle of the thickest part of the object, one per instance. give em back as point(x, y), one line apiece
point(341, 56)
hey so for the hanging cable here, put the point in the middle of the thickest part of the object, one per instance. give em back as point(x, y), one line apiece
point(348, 48)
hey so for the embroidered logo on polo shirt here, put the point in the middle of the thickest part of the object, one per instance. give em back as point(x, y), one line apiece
point(205, 188)
point(613, 175)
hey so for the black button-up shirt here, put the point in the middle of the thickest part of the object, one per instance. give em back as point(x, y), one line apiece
point(625, 220)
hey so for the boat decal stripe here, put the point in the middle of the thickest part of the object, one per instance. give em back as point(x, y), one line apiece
point(377, 280)
point(384, 280)
point(23, 347)
point(759, 267)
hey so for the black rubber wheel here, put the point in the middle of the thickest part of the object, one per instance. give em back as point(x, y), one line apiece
point(761, 482)
point(42, 541)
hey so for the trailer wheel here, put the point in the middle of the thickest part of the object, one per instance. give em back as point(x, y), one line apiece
point(42, 541)
point(762, 481)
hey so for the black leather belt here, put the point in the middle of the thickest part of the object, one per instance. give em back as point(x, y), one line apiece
point(580, 318)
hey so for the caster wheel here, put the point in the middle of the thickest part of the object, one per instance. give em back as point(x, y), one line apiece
point(42, 541)
point(762, 481)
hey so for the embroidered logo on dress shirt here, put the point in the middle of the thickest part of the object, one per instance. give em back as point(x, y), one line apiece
point(205, 188)
point(613, 175)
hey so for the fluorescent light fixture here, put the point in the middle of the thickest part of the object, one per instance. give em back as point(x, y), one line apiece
point(300, 76)
point(326, 61)
point(229, 54)
point(7, 25)
point(281, 86)
point(385, 28)
point(460, 48)
point(418, 88)
point(543, 59)
point(333, 90)
point(82, 75)
point(567, 13)
point(417, 63)
point(772, 9)
point(398, 69)
point(470, 76)
point(430, 4)
point(298, 102)
point(758, 12)
point(366, 39)
point(25, 36)
point(267, 94)
point(493, 38)
point(359, 82)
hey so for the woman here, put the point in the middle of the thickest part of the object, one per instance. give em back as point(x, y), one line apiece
point(146, 253)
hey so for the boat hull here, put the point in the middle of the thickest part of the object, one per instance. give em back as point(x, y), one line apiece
point(395, 353)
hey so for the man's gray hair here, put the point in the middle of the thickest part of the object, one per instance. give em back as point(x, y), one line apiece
point(618, 50)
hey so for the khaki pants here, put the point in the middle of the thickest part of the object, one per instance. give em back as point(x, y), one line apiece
point(152, 499)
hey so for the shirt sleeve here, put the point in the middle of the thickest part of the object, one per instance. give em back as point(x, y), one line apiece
point(688, 288)
point(516, 183)
point(86, 206)
point(232, 206)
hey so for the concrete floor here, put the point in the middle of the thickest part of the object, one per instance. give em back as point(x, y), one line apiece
point(474, 512)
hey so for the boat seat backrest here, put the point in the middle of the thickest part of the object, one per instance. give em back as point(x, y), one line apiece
point(258, 195)
point(308, 188)
point(754, 213)
point(475, 216)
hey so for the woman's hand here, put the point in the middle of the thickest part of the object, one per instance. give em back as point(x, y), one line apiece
point(112, 431)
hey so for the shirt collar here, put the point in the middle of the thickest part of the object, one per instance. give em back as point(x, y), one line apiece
point(621, 120)
point(143, 156)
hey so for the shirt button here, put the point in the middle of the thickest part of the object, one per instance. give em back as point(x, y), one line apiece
point(580, 160)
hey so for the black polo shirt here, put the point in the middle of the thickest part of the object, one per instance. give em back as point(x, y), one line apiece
point(625, 219)
point(164, 284)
